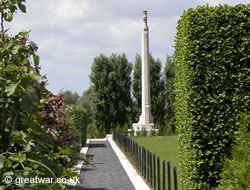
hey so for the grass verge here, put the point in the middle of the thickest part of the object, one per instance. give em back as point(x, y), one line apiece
point(164, 147)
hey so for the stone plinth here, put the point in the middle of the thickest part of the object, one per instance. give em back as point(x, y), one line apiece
point(140, 128)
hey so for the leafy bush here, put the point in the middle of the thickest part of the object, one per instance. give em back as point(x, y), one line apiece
point(211, 86)
point(236, 172)
point(152, 133)
point(57, 121)
point(92, 131)
point(101, 134)
point(123, 129)
point(144, 132)
point(138, 133)
point(80, 121)
point(132, 133)
point(35, 138)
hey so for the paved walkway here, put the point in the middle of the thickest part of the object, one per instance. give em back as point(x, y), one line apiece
point(109, 174)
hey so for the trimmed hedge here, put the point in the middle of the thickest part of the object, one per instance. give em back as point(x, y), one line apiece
point(212, 88)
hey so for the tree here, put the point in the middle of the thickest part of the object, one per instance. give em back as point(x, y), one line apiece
point(111, 99)
point(120, 83)
point(137, 88)
point(156, 86)
point(157, 91)
point(85, 101)
point(100, 98)
point(71, 98)
point(137, 80)
point(169, 86)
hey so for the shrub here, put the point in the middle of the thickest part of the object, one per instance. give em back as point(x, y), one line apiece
point(138, 133)
point(28, 146)
point(101, 134)
point(144, 131)
point(168, 129)
point(81, 121)
point(62, 145)
point(32, 144)
point(211, 86)
point(123, 129)
point(236, 172)
point(132, 132)
point(57, 120)
point(152, 133)
point(92, 131)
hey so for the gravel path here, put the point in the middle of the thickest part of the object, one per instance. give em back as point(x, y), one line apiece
point(108, 174)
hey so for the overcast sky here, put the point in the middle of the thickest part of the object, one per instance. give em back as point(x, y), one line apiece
point(70, 33)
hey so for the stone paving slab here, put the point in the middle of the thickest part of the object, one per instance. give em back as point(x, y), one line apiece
point(83, 154)
point(108, 173)
point(135, 178)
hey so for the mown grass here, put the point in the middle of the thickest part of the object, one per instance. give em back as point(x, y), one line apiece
point(164, 147)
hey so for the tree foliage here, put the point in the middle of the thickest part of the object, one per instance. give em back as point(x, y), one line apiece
point(170, 97)
point(57, 120)
point(70, 97)
point(111, 98)
point(211, 87)
point(137, 82)
point(85, 101)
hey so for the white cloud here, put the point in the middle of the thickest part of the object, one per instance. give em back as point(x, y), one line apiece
point(70, 33)
point(70, 10)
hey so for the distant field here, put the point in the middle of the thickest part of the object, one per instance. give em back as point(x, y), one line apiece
point(164, 147)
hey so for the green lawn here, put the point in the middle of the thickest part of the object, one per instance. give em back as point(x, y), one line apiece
point(165, 147)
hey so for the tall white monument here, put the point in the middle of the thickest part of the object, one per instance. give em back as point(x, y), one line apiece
point(146, 118)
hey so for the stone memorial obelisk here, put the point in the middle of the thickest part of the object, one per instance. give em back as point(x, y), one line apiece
point(146, 118)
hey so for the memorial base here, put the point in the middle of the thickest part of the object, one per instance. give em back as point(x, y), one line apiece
point(143, 130)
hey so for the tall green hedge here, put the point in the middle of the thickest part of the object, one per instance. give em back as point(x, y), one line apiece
point(212, 88)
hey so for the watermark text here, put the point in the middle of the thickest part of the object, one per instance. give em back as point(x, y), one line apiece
point(35, 180)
